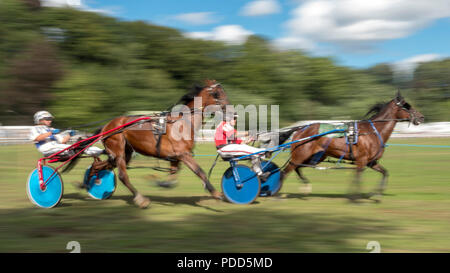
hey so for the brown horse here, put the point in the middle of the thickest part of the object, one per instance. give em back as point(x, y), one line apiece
point(372, 134)
point(173, 146)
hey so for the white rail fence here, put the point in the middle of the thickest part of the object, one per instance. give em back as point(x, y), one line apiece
point(14, 135)
point(404, 129)
point(10, 135)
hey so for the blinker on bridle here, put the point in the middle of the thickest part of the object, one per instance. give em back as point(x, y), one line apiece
point(406, 107)
point(215, 94)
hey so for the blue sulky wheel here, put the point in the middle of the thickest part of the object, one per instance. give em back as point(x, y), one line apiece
point(240, 185)
point(272, 185)
point(51, 194)
point(102, 185)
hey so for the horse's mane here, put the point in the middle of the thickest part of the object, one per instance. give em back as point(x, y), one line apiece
point(376, 109)
point(191, 94)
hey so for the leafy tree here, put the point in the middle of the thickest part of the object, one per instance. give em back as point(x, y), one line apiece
point(382, 72)
point(18, 28)
point(85, 66)
point(431, 87)
point(96, 93)
point(30, 77)
point(86, 37)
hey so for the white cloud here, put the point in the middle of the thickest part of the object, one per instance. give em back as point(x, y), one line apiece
point(200, 35)
point(261, 7)
point(197, 18)
point(421, 58)
point(61, 3)
point(356, 24)
point(78, 4)
point(232, 34)
point(408, 65)
point(404, 69)
point(294, 42)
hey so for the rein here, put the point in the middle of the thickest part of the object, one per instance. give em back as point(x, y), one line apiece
point(387, 120)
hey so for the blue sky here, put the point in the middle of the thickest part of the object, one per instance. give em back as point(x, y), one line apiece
point(357, 33)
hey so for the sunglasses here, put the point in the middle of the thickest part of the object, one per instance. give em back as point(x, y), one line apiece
point(48, 119)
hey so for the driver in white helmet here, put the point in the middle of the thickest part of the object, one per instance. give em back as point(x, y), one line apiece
point(49, 140)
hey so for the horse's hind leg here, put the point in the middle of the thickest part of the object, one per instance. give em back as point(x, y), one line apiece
point(382, 185)
point(298, 158)
point(289, 168)
point(172, 178)
point(307, 189)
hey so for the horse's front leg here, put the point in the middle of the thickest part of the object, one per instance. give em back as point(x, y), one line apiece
point(355, 186)
point(187, 159)
point(382, 185)
point(139, 199)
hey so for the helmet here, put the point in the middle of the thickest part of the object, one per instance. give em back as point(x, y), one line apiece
point(41, 115)
point(230, 116)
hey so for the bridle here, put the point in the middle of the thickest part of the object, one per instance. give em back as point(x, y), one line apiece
point(406, 107)
point(211, 91)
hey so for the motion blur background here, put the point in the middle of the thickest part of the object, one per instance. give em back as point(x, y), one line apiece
point(78, 62)
point(91, 60)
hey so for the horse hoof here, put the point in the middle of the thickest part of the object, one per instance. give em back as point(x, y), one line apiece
point(167, 184)
point(355, 198)
point(375, 196)
point(217, 195)
point(372, 194)
point(141, 201)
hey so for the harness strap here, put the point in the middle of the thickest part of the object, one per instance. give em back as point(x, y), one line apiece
point(350, 146)
point(354, 140)
point(319, 155)
point(342, 156)
point(158, 144)
point(382, 145)
point(354, 135)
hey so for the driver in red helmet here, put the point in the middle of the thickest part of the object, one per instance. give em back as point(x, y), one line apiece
point(228, 144)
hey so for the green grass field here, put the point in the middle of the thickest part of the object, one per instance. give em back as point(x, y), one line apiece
point(413, 216)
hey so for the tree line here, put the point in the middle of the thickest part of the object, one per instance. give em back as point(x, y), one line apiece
point(84, 66)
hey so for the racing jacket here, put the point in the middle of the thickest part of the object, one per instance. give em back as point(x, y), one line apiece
point(42, 129)
point(226, 134)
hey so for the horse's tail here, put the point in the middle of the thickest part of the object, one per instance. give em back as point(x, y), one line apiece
point(273, 139)
point(285, 135)
point(75, 160)
point(128, 152)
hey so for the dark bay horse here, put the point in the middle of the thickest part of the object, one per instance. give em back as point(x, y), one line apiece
point(372, 135)
point(172, 146)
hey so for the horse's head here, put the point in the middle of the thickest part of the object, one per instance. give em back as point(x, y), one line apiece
point(406, 111)
point(214, 94)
